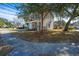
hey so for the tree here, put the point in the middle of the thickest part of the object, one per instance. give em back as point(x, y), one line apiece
point(2, 22)
point(40, 10)
point(70, 11)
point(9, 24)
point(73, 15)
point(5, 22)
point(61, 10)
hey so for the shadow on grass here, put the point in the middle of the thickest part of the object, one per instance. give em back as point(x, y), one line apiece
point(49, 36)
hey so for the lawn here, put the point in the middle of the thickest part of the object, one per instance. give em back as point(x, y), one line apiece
point(49, 36)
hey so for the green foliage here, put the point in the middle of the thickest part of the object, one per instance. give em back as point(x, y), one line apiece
point(31, 10)
point(35, 9)
point(9, 24)
point(63, 10)
point(2, 22)
point(5, 22)
point(71, 28)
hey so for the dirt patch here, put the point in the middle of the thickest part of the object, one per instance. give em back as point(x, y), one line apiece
point(5, 49)
point(49, 36)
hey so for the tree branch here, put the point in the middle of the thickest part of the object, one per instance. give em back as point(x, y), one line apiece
point(68, 12)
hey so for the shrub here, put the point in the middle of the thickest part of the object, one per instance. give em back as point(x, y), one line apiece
point(71, 28)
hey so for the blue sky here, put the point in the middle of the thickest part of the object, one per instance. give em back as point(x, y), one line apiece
point(9, 11)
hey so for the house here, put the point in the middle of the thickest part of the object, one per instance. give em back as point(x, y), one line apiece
point(36, 24)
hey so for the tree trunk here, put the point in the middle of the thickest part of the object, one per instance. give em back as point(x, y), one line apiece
point(39, 25)
point(72, 17)
point(67, 24)
point(42, 22)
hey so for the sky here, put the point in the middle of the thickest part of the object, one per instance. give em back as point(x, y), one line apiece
point(9, 12)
